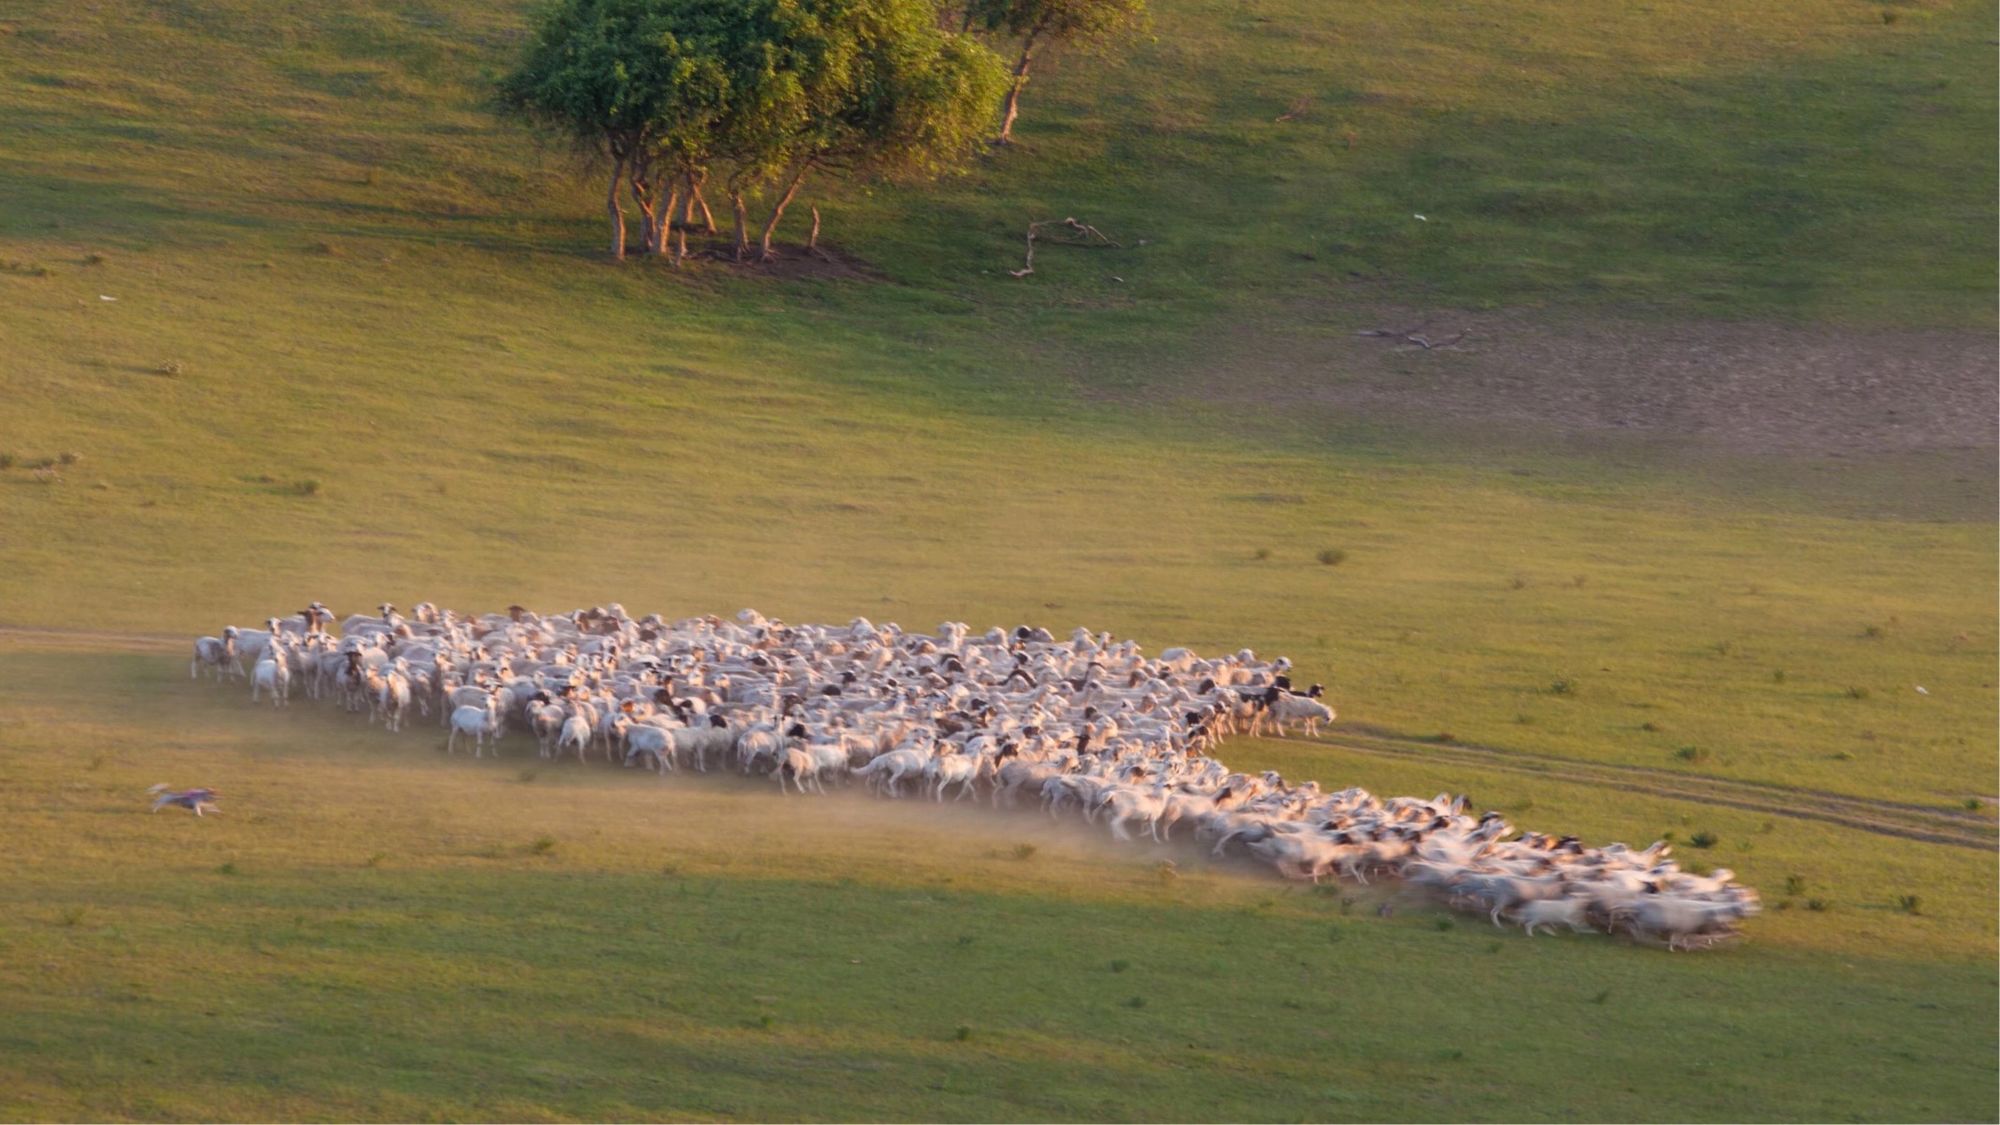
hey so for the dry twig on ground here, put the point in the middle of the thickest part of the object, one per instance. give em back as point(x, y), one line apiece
point(1072, 233)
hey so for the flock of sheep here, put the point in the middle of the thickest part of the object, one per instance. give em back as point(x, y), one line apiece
point(1085, 723)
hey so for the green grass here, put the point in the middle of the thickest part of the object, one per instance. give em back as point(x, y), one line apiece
point(391, 942)
point(360, 349)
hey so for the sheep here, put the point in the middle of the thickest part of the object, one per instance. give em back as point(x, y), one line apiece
point(575, 735)
point(480, 723)
point(217, 654)
point(272, 674)
point(1569, 912)
point(1683, 923)
point(1284, 708)
point(1089, 724)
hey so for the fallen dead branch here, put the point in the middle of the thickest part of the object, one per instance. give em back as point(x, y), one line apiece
point(1071, 233)
point(1412, 336)
point(1298, 110)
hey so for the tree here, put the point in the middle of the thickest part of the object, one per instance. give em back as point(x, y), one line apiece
point(1037, 23)
point(667, 91)
point(611, 78)
point(901, 100)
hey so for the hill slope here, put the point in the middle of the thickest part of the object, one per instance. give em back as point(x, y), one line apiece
point(357, 347)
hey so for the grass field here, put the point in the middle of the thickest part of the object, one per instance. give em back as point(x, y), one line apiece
point(372, 931)
point(359, 349)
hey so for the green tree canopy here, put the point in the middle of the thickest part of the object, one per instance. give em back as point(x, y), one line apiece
point(665, 91)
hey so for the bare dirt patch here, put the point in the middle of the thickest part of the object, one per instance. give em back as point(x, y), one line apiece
point(1744, 387)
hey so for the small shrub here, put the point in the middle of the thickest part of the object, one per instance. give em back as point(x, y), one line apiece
point(1841, 756)
point(1857, 693)
point(1445, 925)
point(966, 939)
point(543, 845)
point(1444, 736)
point(6, 460)
point(1562, 687)
point(1777, 675)
point(962, 1034)
point(1795, 884)
point(764, 1021)
point(1525, 719)
point(1691, 754)
point(1136, 1002)
point(94, 259)
point(1909, 904)
point(1334, 934)
point(1889, 17)
point(1703, 840)
point(96, 763)
point(1724, 648)
point(226, 869)
point(172, 367)
point(1331, 557)
point(1650, 727)
point(72, 915)
point(1872, 632)
point(1452, 1055)
point(1346, 904)
point(375, 860)
point(68, 458)
point(1517, 583)
point(1120, 966)
point(1261, 554)
point(1817, 904)
point(1601, 997)
point(1974, 804)
point(1166, 871)
point(1493, 946)
point(1580, 581)
point(1024, 851)
point(308, 487)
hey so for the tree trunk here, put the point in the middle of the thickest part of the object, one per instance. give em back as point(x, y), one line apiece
point(812, 240)
point(642, 198)
point(666, 224)
point(697, 199)
point(1013, 109)
point(742, 225)
point(778, 212)
point(681, 230)
point(617, 213)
